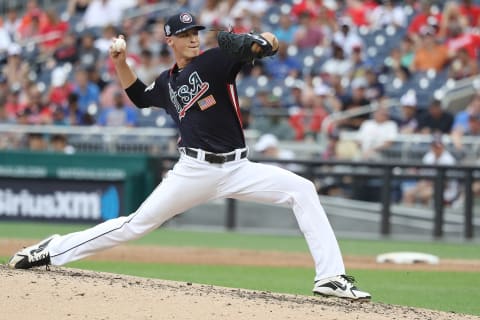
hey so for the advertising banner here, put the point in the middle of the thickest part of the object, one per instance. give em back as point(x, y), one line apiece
point(61, 200)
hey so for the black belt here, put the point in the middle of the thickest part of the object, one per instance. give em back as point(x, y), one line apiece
point(214, 157)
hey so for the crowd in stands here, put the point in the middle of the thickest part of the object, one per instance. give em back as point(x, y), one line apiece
point(333, 56)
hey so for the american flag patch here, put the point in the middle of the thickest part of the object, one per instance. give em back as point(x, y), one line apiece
point(207, 102)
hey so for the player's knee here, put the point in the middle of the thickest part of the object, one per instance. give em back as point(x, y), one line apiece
point(305, 185)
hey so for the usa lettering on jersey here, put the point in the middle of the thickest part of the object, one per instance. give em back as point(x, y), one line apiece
point(188, 94)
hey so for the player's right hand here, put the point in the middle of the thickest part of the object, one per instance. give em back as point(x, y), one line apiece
point(117, 55)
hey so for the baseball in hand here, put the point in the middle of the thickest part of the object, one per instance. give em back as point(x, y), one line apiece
point(119, 44)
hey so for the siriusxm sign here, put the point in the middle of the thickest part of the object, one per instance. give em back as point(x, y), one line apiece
point(56, 201)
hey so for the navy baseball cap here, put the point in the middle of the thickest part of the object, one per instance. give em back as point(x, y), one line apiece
point(179, 23)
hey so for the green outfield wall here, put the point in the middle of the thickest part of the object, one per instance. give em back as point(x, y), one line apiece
point(77, 187)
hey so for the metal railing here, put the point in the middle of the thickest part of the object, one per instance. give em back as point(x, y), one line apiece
point(387, 173)
point(149, 140)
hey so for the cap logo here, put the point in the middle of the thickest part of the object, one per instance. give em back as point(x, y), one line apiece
point(167, 30)
point(186, 18)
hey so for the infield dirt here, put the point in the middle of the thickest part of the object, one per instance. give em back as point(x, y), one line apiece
point(65, 293)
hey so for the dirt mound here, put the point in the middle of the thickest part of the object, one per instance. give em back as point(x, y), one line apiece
point(64, 293)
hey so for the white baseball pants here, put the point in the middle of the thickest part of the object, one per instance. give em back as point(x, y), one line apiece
point(192, 182)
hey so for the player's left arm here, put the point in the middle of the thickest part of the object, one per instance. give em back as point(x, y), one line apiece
point(248, 46)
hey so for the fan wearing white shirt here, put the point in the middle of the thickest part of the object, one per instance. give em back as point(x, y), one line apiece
point(377, 134)
point(423, 191)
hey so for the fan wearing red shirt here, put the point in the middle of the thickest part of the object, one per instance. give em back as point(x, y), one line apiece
point(460, 39)
point(424, 18)
point(53, 31)
point(471, 12)
point(313, 7)
point(358, 11)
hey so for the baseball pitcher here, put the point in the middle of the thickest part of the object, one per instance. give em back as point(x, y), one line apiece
point(200, 94)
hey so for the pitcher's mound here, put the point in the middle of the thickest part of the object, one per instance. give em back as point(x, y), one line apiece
point(64, 293)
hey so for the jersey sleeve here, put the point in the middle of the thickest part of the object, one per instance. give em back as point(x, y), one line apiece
point(145, 97)
point(219, 59)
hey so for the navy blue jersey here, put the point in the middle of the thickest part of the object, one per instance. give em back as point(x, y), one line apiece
point(201, 98)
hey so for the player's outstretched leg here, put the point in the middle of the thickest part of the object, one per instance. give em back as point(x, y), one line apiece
point(34, 256)
point(269, 184)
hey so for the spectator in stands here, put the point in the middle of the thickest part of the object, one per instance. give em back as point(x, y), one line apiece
point(165, 59)
point(473, 129)
point(13, 106)
point(435, 120)
point(359, 10)
point(214, 12)
point(88, 92)
point(422, 192)
point(32, 21)
point(307, 122)
point(5, 41)
point(422, 18)
point(471, 11)
point(272, 118)
point(387, 14)
point(102, 43)
point(144, 40)
point(282, 65)
point(60, 87)
point(120, 114)
point(296, 97)
point(408, 123)
point(16, 69)
point(377, 134)
point(407, 52)
point(77, 8)
point(73, 114)
point(312, 7)
point(337, 84)
point(452, 19)
point(147, 70)
point(353, 102)
point(4, 87)
point(347, 37)
point(101, 13)
point(462, 65)
point(430, 54)
point(35, 108)
point(267, 146)
point(286, 29)
point(58, 116)
point(249, 7)
point(309, 33)
point(239, 23)
point(59, 143)
point(67, 51)
point(12, 23)
point(36, 142)
point(98, 77)
point(461, 38)
point(331, 150)
point(393, 65)
point(375, 89)
point(337, 64)
point(461, 121)
point(89, 55)
point(358, 62)
point(3, 118)
point(52, 32)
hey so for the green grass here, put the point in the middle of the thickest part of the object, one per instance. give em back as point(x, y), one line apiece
point(448, 291)
point(168, 237)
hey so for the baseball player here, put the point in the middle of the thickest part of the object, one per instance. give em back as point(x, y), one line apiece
point(199, 93)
